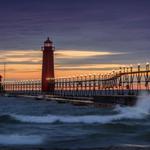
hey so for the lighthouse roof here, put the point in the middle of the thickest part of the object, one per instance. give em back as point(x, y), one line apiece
point(48, 41)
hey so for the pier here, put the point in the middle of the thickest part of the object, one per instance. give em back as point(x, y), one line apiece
point(117, 87)
point(124, 84)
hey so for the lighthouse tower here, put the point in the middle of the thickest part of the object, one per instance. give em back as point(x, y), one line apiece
point(48, 66)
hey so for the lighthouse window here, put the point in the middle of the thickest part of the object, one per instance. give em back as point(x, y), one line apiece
point(47, 44)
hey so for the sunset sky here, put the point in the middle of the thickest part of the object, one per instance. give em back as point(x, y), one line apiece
point(89, 35)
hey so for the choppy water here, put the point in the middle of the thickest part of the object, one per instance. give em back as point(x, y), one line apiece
point(26, 122)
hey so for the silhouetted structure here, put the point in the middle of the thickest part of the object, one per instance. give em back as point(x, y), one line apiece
point(1, 83)
point(125, 81)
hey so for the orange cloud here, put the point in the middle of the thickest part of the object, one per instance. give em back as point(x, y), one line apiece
point(91, 66)
point(26, 64)
point(82, 53)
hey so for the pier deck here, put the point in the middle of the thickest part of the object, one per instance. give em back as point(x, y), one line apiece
point(100, 101)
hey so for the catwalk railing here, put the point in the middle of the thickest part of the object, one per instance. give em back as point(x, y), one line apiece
point(125, 81)
point(21, 87)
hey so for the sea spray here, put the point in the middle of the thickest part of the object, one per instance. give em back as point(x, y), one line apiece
point(139, 111)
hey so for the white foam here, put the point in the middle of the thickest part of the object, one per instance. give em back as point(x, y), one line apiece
point(65, 119)
point(20, 139)
point(139, 111)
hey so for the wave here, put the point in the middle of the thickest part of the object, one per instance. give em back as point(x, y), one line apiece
point(139, 111)
point(6, 118)
point(16, 139)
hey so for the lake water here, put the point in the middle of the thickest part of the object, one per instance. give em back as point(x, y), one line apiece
point(27, 122)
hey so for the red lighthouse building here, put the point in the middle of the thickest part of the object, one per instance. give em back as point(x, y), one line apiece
point(48, 67)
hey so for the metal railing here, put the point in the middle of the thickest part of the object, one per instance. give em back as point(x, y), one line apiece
point(125, 81)
point(22, 87)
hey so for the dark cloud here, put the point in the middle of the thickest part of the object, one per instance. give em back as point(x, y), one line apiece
point(121, 26)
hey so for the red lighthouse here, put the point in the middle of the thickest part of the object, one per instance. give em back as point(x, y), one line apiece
point(48, 66)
